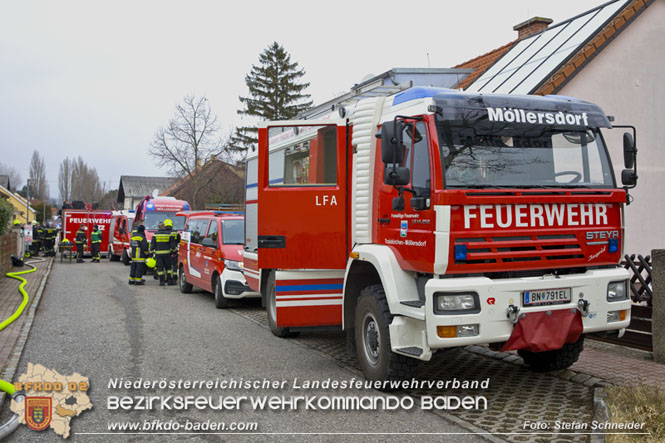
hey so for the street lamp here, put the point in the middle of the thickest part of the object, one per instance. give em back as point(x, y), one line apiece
point(27, 202)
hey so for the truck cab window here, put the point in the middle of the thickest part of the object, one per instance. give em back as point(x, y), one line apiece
point(417, 157)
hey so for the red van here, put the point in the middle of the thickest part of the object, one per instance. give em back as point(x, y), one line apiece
point(119, 233)
point(210, 255)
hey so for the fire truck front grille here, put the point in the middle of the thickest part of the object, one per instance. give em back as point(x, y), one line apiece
point(517, 249)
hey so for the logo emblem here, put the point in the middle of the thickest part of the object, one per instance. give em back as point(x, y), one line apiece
point(404, 226)
point(491, 301)
point(38, 412)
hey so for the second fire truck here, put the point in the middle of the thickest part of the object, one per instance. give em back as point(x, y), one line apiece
point(431, 219)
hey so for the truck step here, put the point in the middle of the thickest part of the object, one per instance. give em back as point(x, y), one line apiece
point(414, 303)
point(411, 350)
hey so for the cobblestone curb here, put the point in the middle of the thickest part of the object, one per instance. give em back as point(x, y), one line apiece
point(565, 374)
point(601, 412)
point(12, 363)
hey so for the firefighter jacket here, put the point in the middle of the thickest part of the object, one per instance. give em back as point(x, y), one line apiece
point(162, 242)
point(50, 234)
point(36, 233)
point(138, 246)
point(80, 236)
point(96, 237)
point(175, 238)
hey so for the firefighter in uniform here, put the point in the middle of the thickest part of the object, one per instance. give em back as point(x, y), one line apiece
point(161, 246)
point(175, 244)
point(49, 241)
point(41, 232)
point(80, 243)
point(95, 243)
point(138, 253)
point(36, 238)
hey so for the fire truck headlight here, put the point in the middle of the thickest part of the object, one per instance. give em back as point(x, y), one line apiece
point(616, 291)
point(232, 265)
point(466, 303)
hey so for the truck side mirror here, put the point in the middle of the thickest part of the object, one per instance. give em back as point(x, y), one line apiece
point(396, 176)
point(391, 142)
point(628, 151)
point(628, 177)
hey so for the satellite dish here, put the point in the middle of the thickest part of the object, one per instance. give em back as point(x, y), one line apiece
point(155, 193)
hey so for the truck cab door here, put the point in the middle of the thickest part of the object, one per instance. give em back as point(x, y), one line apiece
point(302, 194)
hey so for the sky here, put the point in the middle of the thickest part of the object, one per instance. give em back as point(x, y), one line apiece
point(98, 79)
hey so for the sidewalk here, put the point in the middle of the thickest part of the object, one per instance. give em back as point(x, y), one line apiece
point(619, 365)
point(10, 300)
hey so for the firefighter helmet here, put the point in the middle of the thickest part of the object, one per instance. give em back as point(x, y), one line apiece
point(168, 222)
point(151, 262)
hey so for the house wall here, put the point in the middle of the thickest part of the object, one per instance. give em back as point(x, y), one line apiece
point(626, 80)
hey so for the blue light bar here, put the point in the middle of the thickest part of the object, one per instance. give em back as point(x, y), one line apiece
point(614, 244)
point(460, 252)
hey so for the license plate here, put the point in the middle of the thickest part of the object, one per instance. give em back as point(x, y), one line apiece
point(547, 297)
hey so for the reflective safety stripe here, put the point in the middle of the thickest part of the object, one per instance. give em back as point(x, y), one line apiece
point(162, 252)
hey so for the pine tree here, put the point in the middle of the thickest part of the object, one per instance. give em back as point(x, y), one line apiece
point(275, 94)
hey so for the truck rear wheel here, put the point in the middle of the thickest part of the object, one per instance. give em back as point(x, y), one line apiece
point(372, 319)
point(221, 302)
point(553, 360)
point(271, 307)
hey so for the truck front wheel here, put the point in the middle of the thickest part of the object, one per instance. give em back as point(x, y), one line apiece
point(125, 258)
point(553, 360)
point(271, 307)
point(372, 319)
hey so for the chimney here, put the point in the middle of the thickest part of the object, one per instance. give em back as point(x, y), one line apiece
point(531, 26)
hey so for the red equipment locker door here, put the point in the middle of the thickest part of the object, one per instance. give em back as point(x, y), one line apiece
point(302, 194)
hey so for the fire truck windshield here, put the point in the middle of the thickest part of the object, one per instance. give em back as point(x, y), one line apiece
point(152, 220)
point(511, 157)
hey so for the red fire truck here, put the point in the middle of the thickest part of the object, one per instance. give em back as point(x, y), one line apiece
point(73, 218)
point(431, 218)
point(152, 210)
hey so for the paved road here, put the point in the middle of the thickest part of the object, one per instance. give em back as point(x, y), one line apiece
point(90, 321)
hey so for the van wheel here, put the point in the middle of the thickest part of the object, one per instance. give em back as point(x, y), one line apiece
point(185, 287)
point(221, 302)
point(125, 257)
point(553, 360)
point(271, 307)
point(372, 319)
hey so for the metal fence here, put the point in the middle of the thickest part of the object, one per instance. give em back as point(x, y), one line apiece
point(638, 333)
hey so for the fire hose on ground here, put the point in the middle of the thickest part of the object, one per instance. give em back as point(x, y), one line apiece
point(7, 387)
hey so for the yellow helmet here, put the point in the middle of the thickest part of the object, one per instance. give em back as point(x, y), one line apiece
point(168, 222)
point(151, 262)
point(65, 240)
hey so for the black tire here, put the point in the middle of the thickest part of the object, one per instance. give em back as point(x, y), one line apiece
point(376, 358)
point(112, 256)
point(553, 360)
point(272, 310)
point(221, 302)
point(185, 287)
point(125, 258)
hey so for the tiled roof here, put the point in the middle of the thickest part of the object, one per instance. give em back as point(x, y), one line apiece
point(139, 186)
point(481, 63)
point(593, 47)
point(543, 62)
